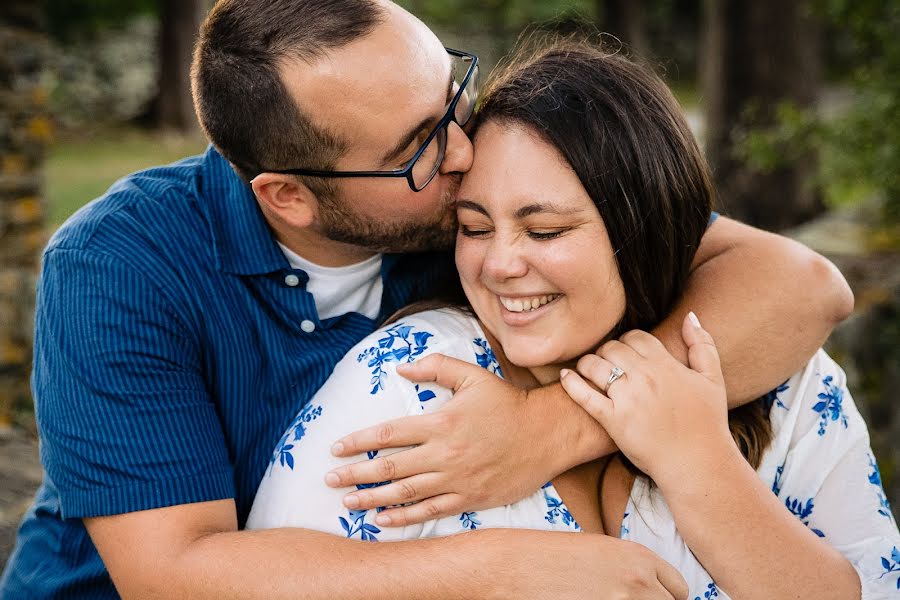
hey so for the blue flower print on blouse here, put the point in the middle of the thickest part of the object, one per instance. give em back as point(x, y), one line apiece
point(831, 405)
point(711, 592)
point(399, 344)
point(771, 398)
point(884, 508)
point(557, 511)
point(297, 429)
point(469, 520)
point(623, 529)
point(485, 356)
point(357, 525)
point(776, 485)
point(803, 512)
point(892, 564)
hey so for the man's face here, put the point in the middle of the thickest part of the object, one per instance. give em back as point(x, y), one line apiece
point(382, 95)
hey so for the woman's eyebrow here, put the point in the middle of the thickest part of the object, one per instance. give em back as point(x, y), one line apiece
point(471, 205)
point(543, 207)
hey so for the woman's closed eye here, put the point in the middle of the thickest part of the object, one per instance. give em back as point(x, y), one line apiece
point(546, 235)
point(474, 231)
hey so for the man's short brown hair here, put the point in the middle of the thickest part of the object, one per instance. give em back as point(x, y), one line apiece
point(240, 99)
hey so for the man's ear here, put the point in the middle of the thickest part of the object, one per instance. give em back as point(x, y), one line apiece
point(285, 198)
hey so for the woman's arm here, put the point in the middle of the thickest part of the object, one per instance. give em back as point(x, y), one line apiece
point(672, 423)
point(768, 301)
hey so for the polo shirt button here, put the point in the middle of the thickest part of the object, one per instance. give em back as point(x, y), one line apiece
point(292, 280)
point(308, 326)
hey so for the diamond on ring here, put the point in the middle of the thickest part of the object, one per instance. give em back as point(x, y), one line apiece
point(614, 375)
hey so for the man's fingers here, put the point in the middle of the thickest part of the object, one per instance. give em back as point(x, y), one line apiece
point(703, 356)
point(447, 372)
point(643, 343)
point(426, 510)
point(595, 403)
point(404, 491)
point(672, 580)
point(383, 468)
point(406, 431)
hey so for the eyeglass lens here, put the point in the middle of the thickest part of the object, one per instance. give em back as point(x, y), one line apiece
point(431, 158)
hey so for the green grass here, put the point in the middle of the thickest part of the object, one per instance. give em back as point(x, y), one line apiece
point(79, 170)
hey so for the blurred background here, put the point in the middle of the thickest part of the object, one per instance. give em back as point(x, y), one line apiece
point(797, 104)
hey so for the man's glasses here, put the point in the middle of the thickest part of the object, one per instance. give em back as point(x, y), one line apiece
point(426, 162)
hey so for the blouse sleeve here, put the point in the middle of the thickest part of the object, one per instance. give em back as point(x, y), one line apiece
point(364, 390)
point(830, 480)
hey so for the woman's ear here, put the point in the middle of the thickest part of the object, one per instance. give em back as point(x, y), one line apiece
point(285, 198)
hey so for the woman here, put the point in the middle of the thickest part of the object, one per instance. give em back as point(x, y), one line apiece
point(588, 184)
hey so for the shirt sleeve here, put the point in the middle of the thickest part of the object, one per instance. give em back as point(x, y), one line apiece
point(363, 391)
point(125, 420)
point(832, 483)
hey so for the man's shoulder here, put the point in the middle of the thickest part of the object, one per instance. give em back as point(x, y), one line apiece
point(153, 205)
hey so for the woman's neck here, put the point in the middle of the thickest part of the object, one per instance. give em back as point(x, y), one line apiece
point(525, 378)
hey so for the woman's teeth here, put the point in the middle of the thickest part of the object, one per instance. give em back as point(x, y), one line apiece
point(526, 304)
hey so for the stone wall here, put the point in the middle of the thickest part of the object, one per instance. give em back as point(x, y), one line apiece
point(25, 128)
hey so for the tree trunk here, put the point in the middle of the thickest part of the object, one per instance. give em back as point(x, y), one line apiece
point(24, 131)
point(179, 22)
point(757, 55)
point(626, 20)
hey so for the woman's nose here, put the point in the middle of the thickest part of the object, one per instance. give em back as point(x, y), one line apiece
point(503, 260)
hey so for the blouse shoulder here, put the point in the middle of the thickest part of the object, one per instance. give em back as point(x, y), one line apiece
point(447, 331)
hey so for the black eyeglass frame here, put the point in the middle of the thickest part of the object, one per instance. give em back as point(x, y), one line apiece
point(407, 171)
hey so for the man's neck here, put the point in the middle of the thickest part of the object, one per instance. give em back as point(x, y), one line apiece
point(320, 250)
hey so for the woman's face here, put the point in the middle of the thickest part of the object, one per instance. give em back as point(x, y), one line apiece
point(532, 251)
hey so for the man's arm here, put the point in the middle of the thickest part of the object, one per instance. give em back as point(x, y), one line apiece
point(195, 551)
point(768, 301)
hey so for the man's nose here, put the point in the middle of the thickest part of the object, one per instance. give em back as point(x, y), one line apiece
point(458, 158)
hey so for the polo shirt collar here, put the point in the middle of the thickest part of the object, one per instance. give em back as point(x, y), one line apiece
point(244, 243)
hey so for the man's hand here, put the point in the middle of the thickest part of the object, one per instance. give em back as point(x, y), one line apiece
point(595, 566)
point(492, 444)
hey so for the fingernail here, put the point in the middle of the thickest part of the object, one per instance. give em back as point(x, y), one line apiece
point(337, 448)
point(694, 319)
point(333, 480)
point(351, 501)
point(383, 520)
point(402, 367)
point(564, 373)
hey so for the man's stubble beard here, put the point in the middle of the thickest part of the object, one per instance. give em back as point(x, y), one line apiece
point(340, 223)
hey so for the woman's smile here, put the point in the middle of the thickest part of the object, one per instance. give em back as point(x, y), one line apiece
point(522, 310)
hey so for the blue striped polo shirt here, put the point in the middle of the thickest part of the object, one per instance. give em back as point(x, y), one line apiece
point(173, 346)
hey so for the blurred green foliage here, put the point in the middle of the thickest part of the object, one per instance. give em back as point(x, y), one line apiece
point(858, 136)
point(69, 19)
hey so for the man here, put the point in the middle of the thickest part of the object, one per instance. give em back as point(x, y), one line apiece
point(184, 317)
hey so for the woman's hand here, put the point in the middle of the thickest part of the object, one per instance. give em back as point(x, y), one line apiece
point(665, 417)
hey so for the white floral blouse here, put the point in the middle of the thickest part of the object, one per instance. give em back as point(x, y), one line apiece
point(819, 461)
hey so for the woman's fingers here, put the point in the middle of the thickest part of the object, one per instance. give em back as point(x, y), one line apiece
point(595, 403)
point(621, 355)
point(595, 370)
point(703, 356)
